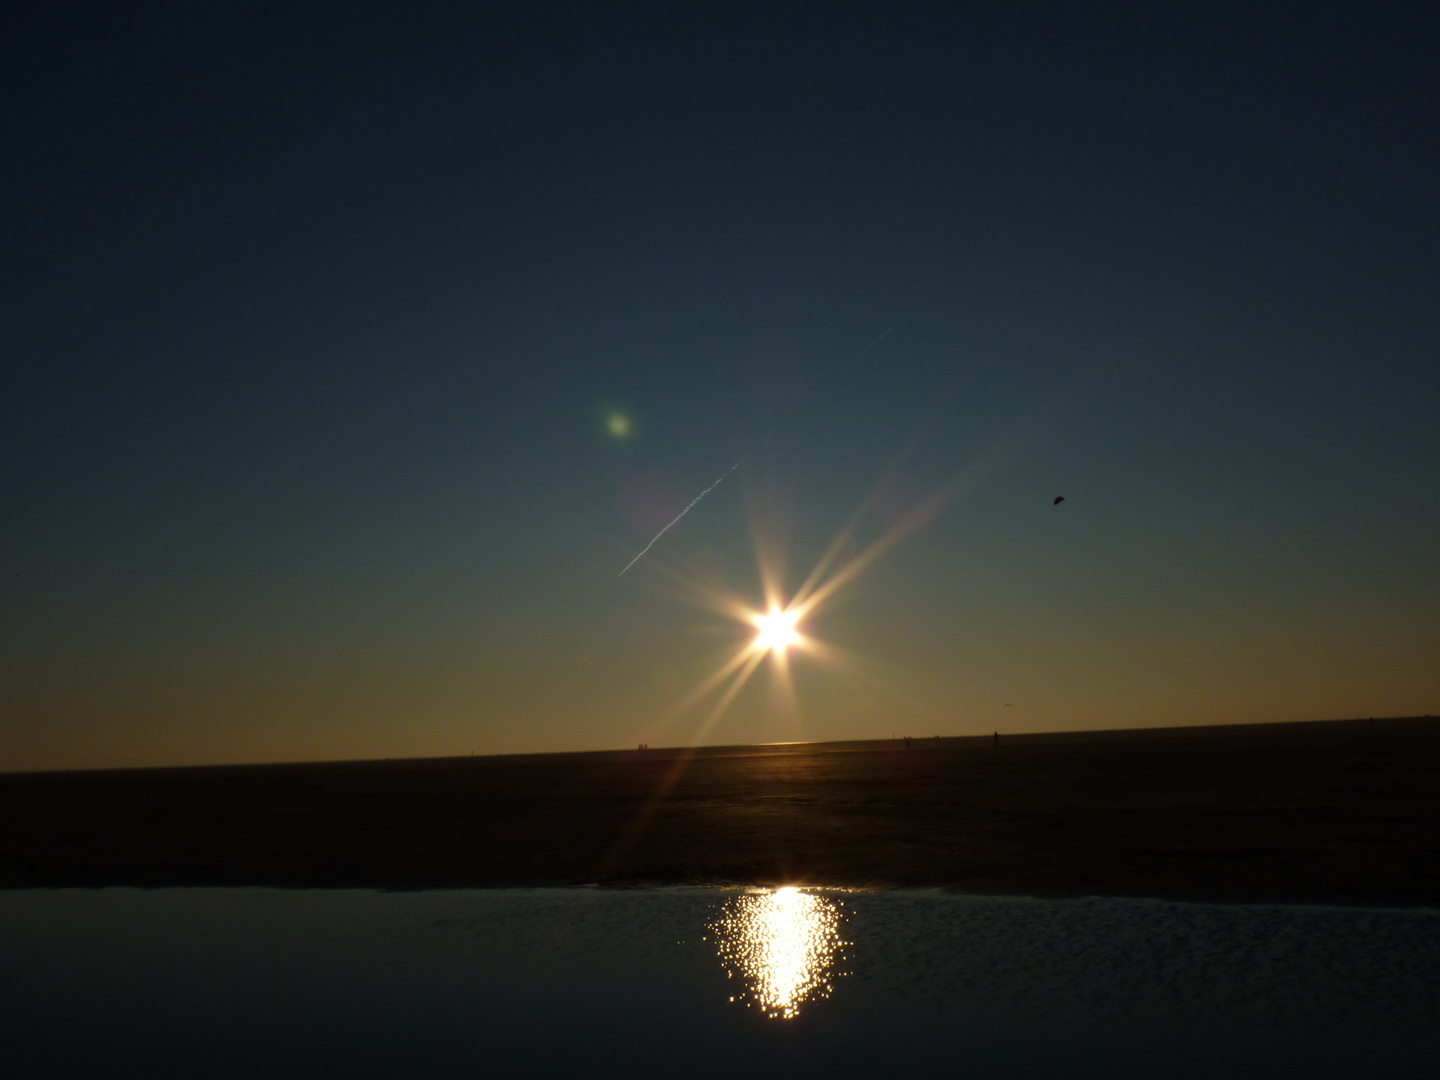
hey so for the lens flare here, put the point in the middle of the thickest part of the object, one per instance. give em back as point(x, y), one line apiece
point(777, 619)
point(784, 946)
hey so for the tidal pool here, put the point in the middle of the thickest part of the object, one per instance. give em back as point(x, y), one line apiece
point(706, 982)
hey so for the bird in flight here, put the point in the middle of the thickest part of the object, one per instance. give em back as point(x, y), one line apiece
point(1058, 500)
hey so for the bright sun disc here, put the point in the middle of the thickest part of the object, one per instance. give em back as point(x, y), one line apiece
point(777, 630)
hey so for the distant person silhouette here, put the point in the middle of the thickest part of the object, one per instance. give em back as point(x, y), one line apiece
point(997, 738)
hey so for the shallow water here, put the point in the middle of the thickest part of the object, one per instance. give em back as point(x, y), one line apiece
point(706, 982)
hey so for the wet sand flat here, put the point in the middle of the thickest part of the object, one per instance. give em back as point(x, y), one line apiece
point(1335, 812)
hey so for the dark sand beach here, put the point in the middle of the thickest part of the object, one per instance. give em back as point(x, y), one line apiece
point(1332, 812)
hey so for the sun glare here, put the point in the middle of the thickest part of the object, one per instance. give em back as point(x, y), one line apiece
point(777, 624)
point(784, 947)
point(777, 630)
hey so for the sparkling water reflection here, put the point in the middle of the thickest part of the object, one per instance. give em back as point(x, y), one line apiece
point(784, 946)
point(231, 984)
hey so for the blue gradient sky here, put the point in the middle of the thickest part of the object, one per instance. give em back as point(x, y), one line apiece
point(312, 317)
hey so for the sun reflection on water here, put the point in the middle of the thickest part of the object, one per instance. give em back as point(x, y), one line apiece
point(783, 945)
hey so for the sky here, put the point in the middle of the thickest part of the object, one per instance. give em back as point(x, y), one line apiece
point(352, 351)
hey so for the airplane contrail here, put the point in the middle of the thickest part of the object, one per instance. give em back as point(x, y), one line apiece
point(682, 513)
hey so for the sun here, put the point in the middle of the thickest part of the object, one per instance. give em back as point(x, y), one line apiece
point(777, 630)
point(777, 637)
